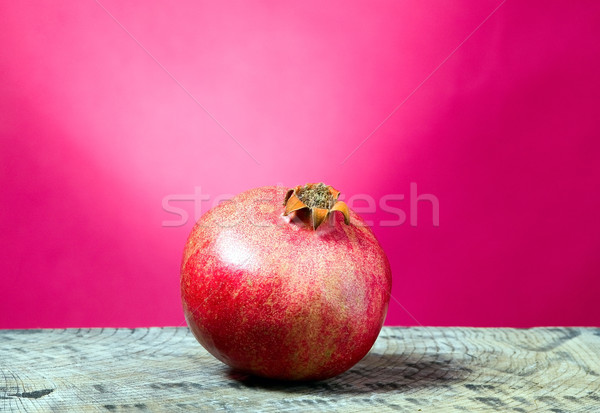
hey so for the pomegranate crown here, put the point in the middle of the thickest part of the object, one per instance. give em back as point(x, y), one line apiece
point(318, 200)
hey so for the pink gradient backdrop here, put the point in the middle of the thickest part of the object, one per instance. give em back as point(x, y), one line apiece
point(94, 134)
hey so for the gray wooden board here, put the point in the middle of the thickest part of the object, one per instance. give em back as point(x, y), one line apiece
point(412, 369)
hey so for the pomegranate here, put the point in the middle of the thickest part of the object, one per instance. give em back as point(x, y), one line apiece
point(285, 284)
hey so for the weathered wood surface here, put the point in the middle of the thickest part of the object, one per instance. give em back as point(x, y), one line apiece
point(408, 370)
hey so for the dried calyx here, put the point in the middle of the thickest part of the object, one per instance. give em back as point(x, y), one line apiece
point(319, 200)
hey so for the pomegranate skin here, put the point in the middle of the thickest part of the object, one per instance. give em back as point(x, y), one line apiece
point(272, 297)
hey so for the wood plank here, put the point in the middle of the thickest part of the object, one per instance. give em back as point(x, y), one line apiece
point(408, 370)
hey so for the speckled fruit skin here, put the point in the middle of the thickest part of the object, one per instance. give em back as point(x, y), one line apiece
point(274, 298)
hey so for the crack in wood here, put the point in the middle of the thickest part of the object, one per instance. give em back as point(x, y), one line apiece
point(36, 394)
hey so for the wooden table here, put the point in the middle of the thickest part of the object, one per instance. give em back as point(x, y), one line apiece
point(408, 370)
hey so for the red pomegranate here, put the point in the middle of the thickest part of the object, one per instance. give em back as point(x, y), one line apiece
point(285, 284)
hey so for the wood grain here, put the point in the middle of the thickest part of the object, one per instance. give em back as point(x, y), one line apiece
point(408, 370)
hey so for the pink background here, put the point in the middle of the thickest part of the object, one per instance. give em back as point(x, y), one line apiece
point(505, 133)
